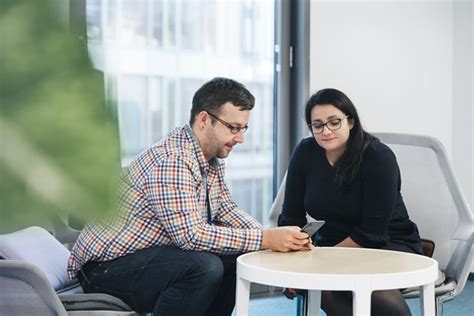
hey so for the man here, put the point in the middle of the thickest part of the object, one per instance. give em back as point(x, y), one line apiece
point(172, 248)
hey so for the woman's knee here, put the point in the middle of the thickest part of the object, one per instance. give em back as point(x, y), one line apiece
point(389, 302)
point(338, 303)
point(384, 303)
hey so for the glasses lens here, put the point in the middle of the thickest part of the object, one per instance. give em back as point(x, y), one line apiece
point(318, 128)
point(334, 124)
point(235, 129)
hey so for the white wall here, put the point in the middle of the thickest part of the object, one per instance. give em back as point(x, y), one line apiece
point(462, 106)
point(472, 99)
point(407, 66)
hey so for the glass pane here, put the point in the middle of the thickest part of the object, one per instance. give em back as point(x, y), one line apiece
point(156, 22)
point(160, 52)
point(133, 23)
point(155, 109)
point(132, 114)
point(94, 20)
point(191, 26)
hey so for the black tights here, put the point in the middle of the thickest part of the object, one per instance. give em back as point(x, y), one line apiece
point(384, 303)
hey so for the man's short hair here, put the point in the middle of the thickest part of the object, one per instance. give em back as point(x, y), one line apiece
point(213, 94)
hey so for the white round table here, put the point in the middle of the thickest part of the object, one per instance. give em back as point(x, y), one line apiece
point(359, 270)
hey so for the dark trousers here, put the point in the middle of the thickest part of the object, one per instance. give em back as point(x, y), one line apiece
point(166, 281)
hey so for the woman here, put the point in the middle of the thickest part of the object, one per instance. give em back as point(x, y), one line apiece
point(348, 178)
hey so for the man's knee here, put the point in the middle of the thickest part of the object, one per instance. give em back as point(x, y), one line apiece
point(207, 267)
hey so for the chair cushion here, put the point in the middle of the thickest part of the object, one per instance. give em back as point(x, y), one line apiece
point(442, 285)
point(38, 247)
point(92, 301)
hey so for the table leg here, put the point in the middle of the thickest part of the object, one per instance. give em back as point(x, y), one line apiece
point(314, 302)
point(242, 296)
point(361, 303)
point(427, 299)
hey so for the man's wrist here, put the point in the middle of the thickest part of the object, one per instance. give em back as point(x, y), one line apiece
point(264, 239)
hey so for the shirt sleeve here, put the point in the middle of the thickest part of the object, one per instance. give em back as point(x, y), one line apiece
point(380, 188)
point(293, 212)
point(171, 189)
point(230, 215)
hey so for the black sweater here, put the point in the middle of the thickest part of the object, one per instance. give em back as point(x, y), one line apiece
point(370, 210)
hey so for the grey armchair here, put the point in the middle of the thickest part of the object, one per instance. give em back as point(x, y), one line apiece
point(34, 281)
point(26, 291)
point(435, 203)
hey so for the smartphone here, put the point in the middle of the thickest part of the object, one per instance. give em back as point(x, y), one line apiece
point(312, 227)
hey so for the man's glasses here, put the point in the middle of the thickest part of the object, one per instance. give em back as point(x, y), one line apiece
point(332, 125)
point(233, 129)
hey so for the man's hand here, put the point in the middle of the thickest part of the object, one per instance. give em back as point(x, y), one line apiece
point(284, 239)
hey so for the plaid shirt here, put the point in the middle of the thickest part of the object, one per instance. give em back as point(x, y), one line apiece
point(163, 202)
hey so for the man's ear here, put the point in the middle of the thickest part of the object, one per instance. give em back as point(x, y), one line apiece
point(201, 120)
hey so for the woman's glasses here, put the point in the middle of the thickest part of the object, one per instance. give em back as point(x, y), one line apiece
point(332, 125)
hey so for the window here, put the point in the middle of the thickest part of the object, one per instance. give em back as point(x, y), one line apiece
point(159, 52)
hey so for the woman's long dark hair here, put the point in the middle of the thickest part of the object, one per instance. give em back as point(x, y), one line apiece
point(349, 164)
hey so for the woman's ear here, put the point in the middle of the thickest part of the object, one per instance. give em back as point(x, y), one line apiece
point(350, 120)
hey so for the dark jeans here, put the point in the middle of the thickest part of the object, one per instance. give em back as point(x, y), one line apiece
point(166, 281)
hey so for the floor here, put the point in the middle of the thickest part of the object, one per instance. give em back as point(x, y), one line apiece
point(278, 305)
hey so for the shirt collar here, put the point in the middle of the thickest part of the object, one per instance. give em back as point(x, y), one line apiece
point(203, 163)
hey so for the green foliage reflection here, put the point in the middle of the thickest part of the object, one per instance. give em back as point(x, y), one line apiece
point(59, 149)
